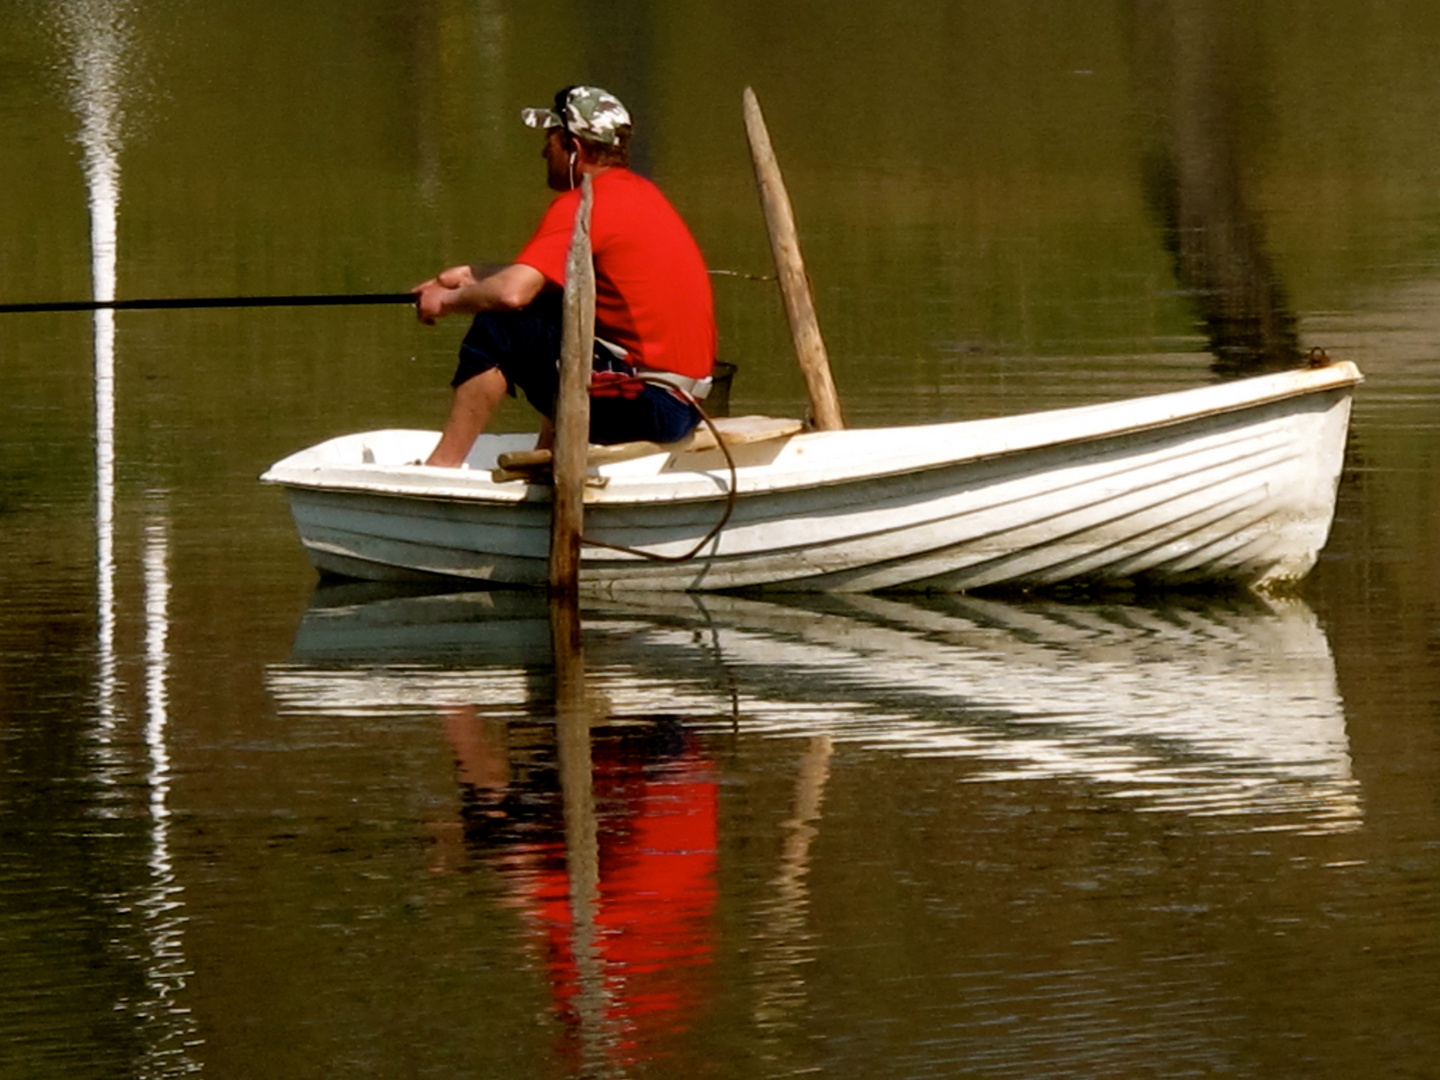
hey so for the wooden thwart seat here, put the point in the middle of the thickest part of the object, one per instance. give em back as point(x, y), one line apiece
point(734, 430)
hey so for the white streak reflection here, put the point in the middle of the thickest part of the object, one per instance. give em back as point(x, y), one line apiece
point(157, 631)
point(172, 1029)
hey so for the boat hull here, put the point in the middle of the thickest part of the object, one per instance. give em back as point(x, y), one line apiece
point(1229, 484)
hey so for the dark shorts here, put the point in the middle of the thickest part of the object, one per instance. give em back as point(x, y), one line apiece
point(525, 346)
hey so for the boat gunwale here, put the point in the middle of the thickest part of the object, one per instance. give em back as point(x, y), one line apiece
point(1344, 377)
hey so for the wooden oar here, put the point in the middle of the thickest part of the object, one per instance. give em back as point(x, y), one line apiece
point(794, 284)
point(321, 300)
point(572, 404)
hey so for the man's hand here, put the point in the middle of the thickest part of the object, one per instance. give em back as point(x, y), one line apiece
point(457, 291)
point(436, 298)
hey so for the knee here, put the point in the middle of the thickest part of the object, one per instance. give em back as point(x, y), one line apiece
point(484, 388)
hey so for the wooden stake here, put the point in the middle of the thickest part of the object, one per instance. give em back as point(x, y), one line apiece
point(790, 268)
point(572, 404)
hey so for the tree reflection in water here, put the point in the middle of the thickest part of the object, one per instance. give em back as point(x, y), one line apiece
point(1199, 98)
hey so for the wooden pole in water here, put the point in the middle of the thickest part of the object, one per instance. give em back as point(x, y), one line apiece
point(790, 268)
point(572, 404)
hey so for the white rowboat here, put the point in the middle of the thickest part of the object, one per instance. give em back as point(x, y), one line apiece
point(1231, 483)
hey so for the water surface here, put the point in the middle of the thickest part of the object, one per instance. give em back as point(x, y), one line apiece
point(253, 827)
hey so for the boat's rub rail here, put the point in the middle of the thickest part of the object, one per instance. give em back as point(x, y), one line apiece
point(1336, 375)
point(733, 430)
point(868, 453)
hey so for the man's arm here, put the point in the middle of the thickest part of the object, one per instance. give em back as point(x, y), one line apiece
point(457, 291)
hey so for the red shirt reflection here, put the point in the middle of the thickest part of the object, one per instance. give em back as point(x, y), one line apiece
point(643, 973)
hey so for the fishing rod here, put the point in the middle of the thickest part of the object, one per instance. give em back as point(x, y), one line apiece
point(314, 300)
point(320, 300)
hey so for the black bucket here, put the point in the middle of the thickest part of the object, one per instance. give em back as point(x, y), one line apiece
point(717, 402)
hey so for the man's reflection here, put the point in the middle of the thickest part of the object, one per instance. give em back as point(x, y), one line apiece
point(640, 970)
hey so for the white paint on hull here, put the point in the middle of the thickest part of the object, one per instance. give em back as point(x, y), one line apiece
point(1233, 482)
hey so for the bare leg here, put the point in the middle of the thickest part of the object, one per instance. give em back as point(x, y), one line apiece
point(471, 407)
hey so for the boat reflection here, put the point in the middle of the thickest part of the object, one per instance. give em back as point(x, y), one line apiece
point(590, 783)
point(1203, 706)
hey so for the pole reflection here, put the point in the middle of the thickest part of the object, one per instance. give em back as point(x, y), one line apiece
point(780, 986)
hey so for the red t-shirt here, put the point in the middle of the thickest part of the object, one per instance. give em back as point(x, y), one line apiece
point(652, 291)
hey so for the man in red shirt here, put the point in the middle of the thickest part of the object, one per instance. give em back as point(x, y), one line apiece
point(654, 313)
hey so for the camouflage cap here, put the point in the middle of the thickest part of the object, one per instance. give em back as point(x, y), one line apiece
point(586, 112)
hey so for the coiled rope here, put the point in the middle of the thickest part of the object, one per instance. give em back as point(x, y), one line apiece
point(731, 495)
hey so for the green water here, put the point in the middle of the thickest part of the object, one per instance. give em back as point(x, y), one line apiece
point(252, 829)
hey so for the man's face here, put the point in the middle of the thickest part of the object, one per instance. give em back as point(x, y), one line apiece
point(557, 160)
